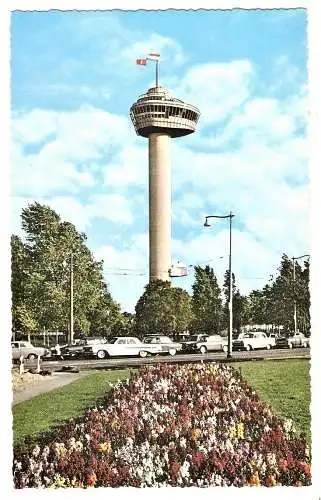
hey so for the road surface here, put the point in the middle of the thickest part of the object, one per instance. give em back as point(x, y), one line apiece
point(92, 364)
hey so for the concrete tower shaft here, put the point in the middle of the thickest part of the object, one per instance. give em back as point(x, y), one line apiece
point(159, 206)
point(159, 116)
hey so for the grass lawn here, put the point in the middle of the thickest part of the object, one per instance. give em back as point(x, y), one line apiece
point(43, 412)
point(285, 385)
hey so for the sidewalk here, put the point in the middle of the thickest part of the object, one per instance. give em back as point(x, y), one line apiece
point(49, 383)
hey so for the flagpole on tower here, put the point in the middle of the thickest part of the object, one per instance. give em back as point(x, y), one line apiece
point(151, 57)
point(156, 72)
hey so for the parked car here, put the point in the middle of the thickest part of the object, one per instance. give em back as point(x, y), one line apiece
point(212, 343)
point(190, 344)
point(76, 349)
point(292, 339)
point(121, 346)
point(27, 350)
point(253, 340)
point(167, 345)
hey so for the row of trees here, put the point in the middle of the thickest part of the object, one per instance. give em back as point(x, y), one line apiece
point(41, 277)
point(165, 309)
point(274, 304)
point(171, 310)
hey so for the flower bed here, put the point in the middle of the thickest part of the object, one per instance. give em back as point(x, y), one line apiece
point(169, 425)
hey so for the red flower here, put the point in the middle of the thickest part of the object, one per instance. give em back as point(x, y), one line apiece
point(174, 470)
point(304, 467)
point(90, 477)
point(198, 458)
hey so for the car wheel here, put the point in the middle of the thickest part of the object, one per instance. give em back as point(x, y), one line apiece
point(31, 357)
point(101, 354)
point(248, 347)
point(203, 349)
point(172, 352)
point(225, 348)
point(143, 354)
point(268, 347)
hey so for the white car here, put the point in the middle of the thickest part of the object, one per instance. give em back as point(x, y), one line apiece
point(253, 340)
point(212, 343)
point(27, 350)
point(166, 344)
point(121, 346)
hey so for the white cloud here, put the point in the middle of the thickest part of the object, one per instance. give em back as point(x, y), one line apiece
point(129, 167)
point(34, 126)
point(250, 259)
point(68, 141)
point(114, 207)
point(126, 270)
point(217, 88)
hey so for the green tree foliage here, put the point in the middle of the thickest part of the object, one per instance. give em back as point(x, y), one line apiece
point(41, 270)
point(162, 310)
point(274, 304)
point(206, 302)
point(241, 306)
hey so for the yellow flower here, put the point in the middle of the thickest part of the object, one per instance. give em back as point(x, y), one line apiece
point(232, 431)
point(196, 433)
point(240, 430)
point(105, 447)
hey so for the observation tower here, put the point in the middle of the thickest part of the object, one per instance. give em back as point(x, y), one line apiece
point(159, 116)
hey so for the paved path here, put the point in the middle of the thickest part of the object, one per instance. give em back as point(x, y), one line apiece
point(49, 383)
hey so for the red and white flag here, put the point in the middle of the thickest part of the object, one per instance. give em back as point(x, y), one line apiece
point(142, 62)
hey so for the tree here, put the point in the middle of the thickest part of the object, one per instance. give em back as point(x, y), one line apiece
point(23, 310)
point(206, 302)
point(182, 306)
point(226, 294)
point(241, 305)
point(162, 309)
point(41, 275)
point(106, 317)
point(274, 304)
point(240, 311)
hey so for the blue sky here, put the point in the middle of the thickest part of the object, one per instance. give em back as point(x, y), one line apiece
point(74, 79)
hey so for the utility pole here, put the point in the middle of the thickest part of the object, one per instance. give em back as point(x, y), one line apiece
point(230, 303)
point(294, 298)
point(71, 331)
point(230, 330)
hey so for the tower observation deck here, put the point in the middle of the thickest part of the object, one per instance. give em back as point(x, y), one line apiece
point(159, 116)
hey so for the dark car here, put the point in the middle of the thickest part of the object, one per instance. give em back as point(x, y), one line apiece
point(73, 350)
point(292, 339)
point(190, 345)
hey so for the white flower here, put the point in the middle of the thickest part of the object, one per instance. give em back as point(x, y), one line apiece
point(18, 465)
point(78, 446)
point(288, 424)
point(36, 451)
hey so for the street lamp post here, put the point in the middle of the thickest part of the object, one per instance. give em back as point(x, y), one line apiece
point(71, 308)
point(230, 304)
point(294, 259)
